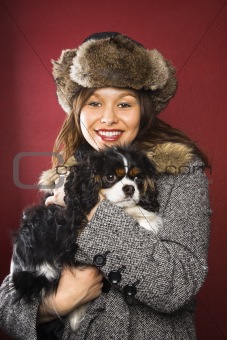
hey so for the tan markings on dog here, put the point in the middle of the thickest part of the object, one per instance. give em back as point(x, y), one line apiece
point(134, 171)
point(148, 183)
point(120, 172)
point(103, 192)
point(97, 178)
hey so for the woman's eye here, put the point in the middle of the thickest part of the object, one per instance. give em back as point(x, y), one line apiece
point(124, 105)
point(94, 104)
point(110, 178)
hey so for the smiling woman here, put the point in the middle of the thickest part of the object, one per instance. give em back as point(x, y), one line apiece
point(112, 90)
point(110, 116)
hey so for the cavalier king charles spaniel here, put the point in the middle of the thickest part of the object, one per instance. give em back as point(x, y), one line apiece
point(46, 239)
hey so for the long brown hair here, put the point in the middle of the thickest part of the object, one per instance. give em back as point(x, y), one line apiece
point(155, 131)
point(70, 136)
point(152, 130)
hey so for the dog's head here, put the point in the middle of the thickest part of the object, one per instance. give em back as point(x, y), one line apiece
point(124, 176)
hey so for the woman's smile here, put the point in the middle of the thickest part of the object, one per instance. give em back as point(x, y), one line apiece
point(109, 135)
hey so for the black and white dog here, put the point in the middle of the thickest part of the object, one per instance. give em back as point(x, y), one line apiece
point(46, 239)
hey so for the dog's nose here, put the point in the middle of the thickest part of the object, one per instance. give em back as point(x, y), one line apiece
point(128, 190)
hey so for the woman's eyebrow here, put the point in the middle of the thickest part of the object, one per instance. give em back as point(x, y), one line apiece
point(125, 94)
point(121, 95)
point(95, 95)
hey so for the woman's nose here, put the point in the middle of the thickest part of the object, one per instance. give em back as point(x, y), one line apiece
point(109, 116)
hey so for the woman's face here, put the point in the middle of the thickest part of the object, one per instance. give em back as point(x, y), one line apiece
point(110, 116)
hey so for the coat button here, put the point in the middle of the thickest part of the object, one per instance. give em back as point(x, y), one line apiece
point(130, 290)
point(114, 277)
point(99, 260)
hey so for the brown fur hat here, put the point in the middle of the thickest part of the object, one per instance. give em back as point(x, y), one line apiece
point(113, 59)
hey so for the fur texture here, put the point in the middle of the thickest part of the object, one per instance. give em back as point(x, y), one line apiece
point(168, 158)
point(46, 240)
point(118, 61)
point(123, 176)
point(171, 158)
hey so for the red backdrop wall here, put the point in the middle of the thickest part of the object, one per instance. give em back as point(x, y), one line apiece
point(190, 33)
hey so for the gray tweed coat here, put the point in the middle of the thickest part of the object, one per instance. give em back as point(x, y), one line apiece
point(168, 269)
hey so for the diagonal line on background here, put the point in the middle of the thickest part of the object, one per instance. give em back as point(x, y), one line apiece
point(211, 317)
point(25, 37)
point(182, 67)
point(204, 34)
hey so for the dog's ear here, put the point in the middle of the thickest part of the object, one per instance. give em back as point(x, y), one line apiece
point(96, 162)
point(149, 198)
point(81, 189)
point(150, 167)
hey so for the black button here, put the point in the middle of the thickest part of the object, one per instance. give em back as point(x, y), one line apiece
point(114, 277)
point(130, 290)
point(99, 260)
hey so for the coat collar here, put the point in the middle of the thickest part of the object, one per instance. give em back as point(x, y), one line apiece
point(169, 158)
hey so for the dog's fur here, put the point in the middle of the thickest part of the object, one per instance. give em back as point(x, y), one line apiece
point(46, 240)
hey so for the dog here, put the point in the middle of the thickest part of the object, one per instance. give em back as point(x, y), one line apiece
point(46, 239)
point(122, 175)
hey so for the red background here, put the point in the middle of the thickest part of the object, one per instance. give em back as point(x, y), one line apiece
point(190, 33)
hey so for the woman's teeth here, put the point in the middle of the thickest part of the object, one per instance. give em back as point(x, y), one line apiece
point(109, 133)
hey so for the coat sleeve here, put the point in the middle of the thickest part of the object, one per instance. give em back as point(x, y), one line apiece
point(16, 319)
point(168, 268)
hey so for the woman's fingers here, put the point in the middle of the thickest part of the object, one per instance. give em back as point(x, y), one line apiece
point(58, 196)
point(76, 287)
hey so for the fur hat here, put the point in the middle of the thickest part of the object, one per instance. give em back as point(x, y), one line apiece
point(115, 60)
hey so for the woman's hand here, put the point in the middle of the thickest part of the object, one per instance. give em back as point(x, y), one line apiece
point(76, 287)
point(58, 197)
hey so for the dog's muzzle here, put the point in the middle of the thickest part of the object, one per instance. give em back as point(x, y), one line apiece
point(128, 190)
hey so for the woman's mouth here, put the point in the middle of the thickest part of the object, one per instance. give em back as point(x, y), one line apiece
point(109, 135)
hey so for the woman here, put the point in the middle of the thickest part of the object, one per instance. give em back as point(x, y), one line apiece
point(113, 89)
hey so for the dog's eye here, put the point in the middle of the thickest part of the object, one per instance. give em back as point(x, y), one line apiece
point(110, 178)
point(137, 179)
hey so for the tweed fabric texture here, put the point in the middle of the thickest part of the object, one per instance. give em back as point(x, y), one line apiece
point(170, 268)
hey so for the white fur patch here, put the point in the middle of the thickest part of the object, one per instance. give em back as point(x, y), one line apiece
point(147, 219)
point(77, 316)
point(12, 267)
point(46, 270)
point(116, 195)
point(125, 164)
